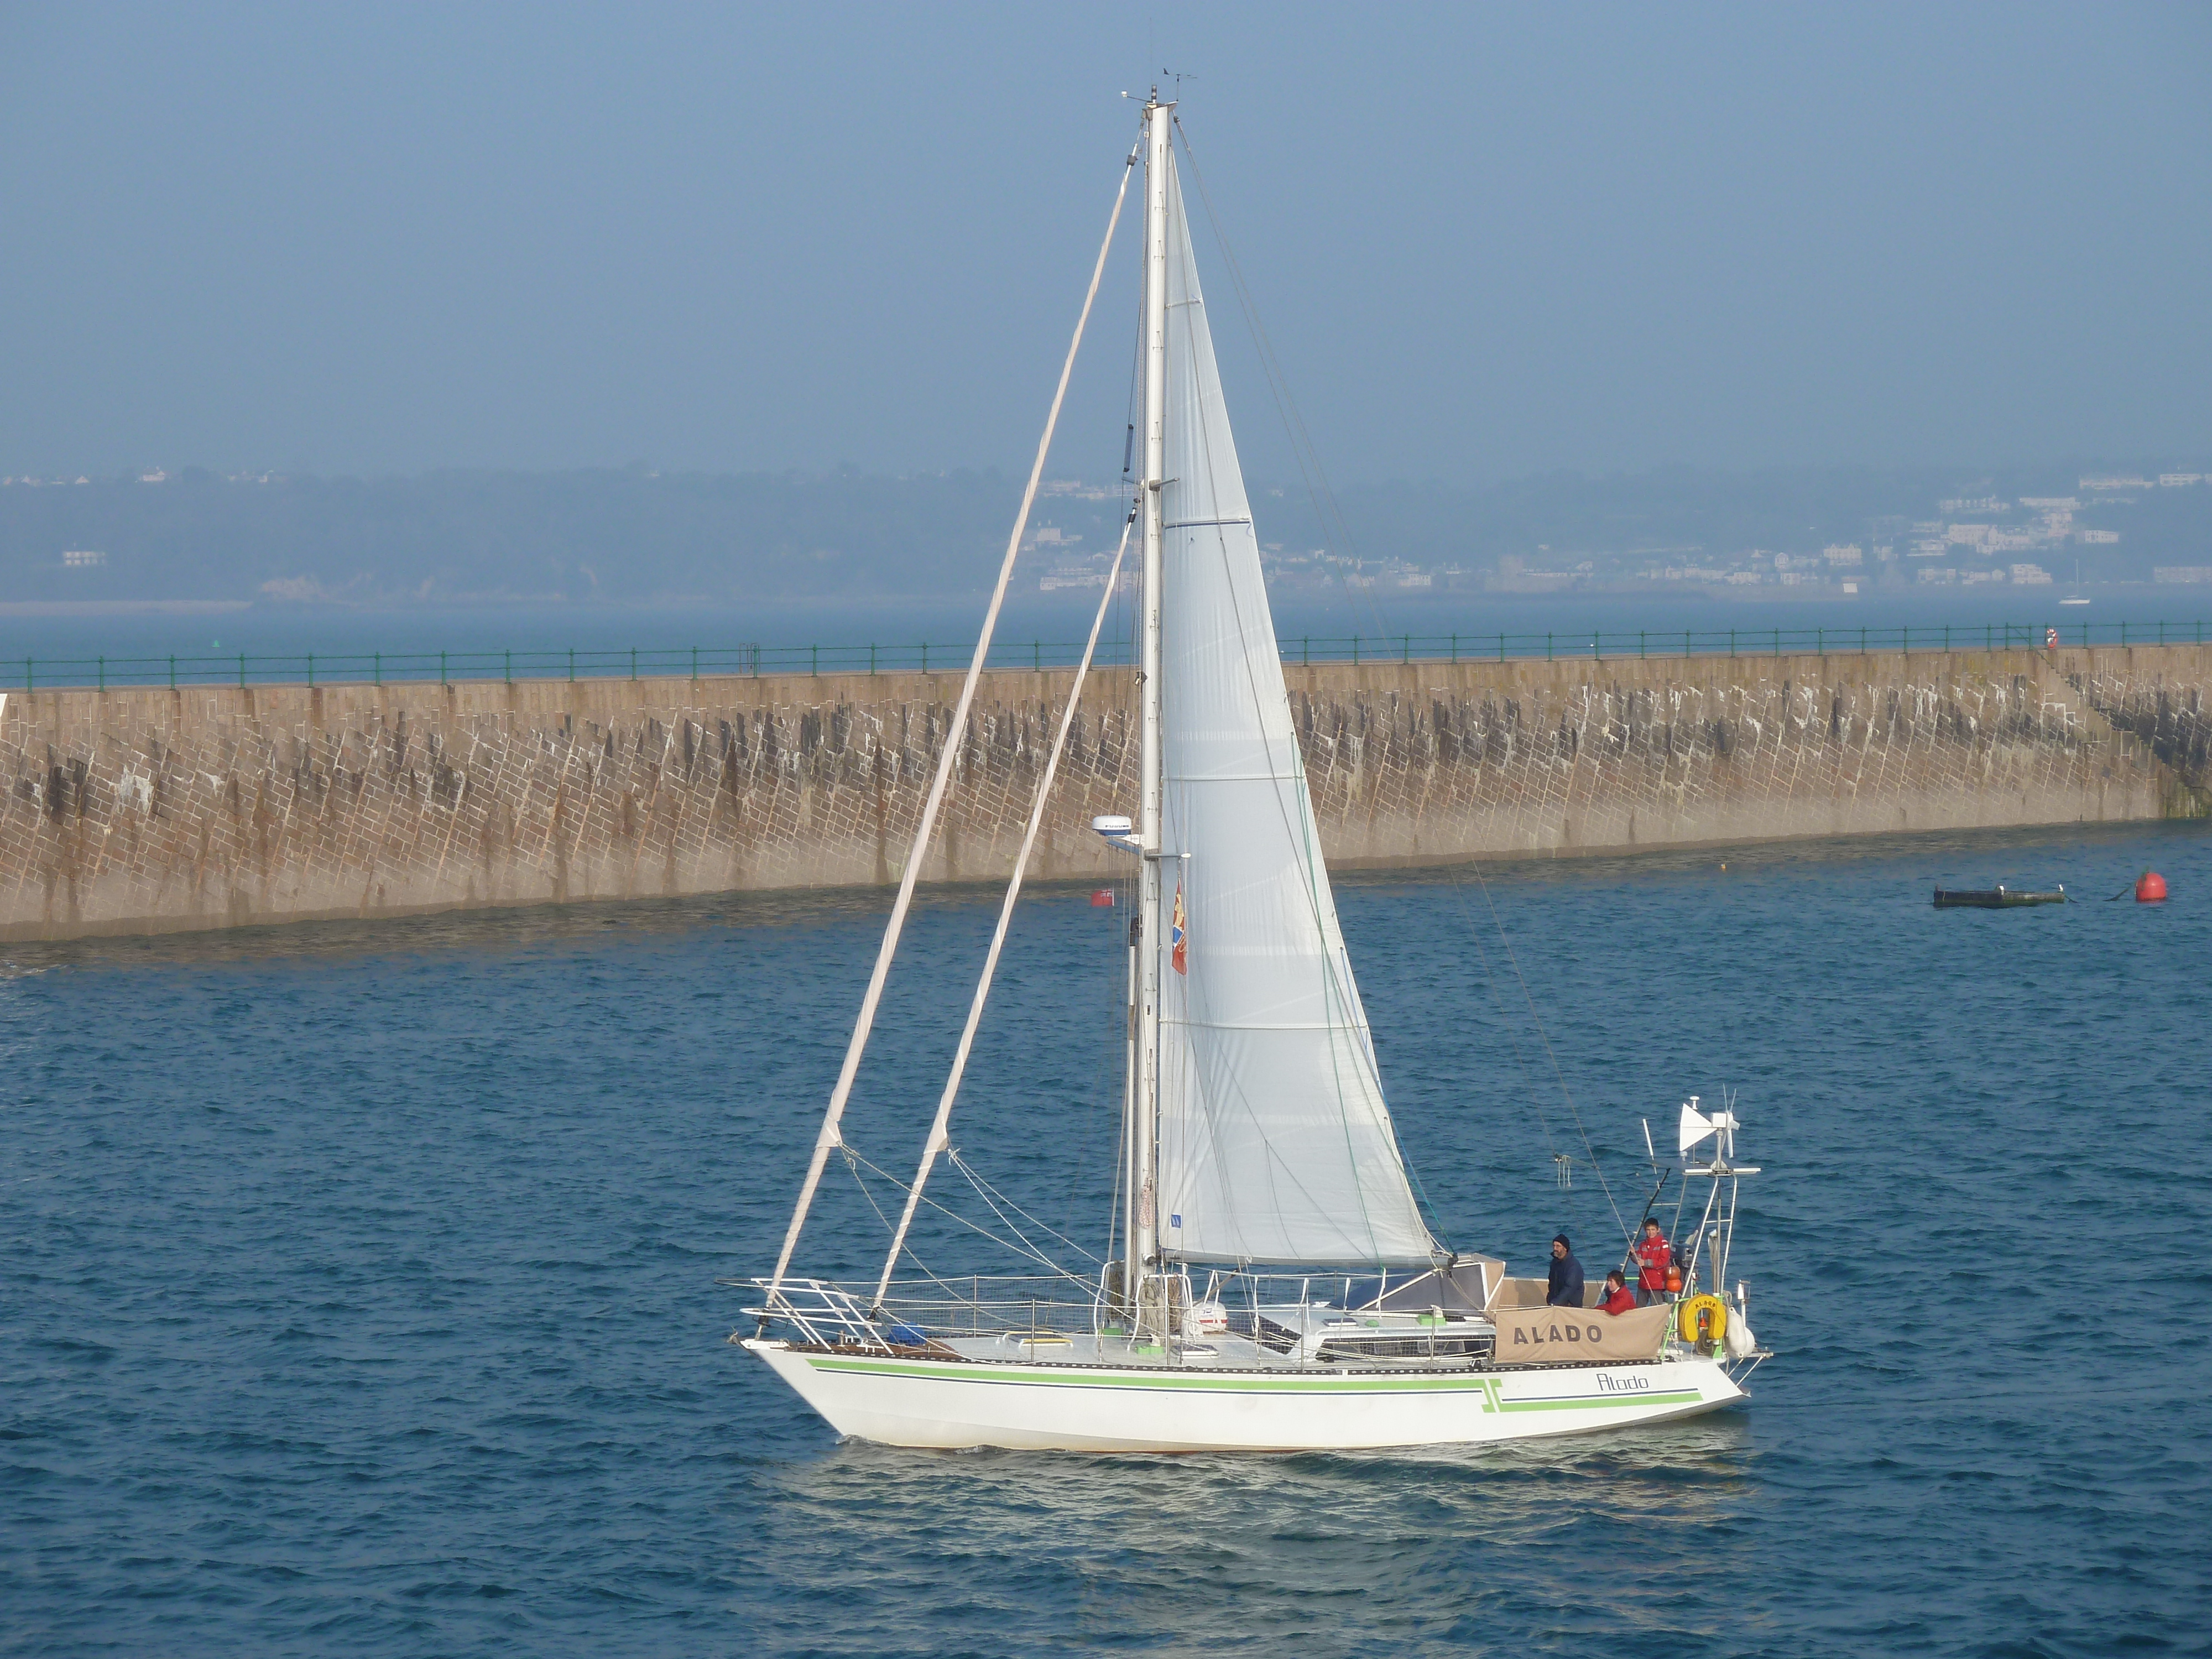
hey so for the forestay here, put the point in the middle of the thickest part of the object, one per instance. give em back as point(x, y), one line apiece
point(1275, 1145)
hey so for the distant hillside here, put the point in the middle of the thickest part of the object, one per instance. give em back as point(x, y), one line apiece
point(613, 537)
point(1629, 523)
point(630, 536)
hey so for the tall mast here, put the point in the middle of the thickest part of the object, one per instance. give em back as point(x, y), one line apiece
point(1144, 1232)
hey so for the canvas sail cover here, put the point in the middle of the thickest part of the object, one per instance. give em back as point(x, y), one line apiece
point(1275, 1145)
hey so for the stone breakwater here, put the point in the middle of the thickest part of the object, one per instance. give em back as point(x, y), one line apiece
point(143, 809)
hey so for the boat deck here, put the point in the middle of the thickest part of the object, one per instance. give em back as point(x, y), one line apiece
point(1227, 1351)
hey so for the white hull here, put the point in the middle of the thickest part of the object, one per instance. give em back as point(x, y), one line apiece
point(954, 1404)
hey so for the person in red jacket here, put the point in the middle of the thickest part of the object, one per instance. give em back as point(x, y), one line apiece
point(1653, 1255)
point(1618, 1297)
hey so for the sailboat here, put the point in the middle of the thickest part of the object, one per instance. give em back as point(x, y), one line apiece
point(1271, 1281)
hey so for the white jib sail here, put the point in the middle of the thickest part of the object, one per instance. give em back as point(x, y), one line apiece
point(1275, 1145)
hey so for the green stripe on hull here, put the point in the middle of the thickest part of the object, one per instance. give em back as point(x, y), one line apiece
point(1677, 1397)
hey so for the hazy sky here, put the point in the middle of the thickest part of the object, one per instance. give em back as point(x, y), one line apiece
point(1483, 242)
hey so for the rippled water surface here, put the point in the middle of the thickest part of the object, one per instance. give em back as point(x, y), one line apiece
point(357, 1284)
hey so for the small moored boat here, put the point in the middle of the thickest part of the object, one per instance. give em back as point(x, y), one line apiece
point(1999, 897)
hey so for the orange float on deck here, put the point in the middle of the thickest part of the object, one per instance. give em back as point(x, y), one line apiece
point(2150, 888)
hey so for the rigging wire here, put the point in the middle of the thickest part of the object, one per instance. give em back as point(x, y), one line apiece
point(853, 1168)
point(952, 1290)
point(1023, 1247)
point(851, 1162)
point(991, 1196)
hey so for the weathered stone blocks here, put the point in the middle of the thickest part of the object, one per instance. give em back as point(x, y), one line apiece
point(143, 810)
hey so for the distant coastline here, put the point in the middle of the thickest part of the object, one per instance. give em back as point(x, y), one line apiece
point(122, 607)
point(631, 537)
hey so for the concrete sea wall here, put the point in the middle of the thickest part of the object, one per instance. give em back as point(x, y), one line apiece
point(142, 809)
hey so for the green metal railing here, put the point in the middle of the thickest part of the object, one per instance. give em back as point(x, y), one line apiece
point(752, 661)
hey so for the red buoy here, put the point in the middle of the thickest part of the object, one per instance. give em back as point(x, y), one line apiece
point(1101, 898)
point(2150, 888)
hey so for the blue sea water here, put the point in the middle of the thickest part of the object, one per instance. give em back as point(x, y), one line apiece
point(357, 1283)
point(64, 646)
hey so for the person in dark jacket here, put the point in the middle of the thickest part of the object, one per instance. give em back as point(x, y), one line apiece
point(1566, 1288)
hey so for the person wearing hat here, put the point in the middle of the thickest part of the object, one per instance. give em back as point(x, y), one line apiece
point(1566, 1286)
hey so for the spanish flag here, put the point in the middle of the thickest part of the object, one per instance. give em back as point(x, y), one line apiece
point(1175, 935)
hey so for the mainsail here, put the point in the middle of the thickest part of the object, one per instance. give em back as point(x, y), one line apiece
point(1274, 1143)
